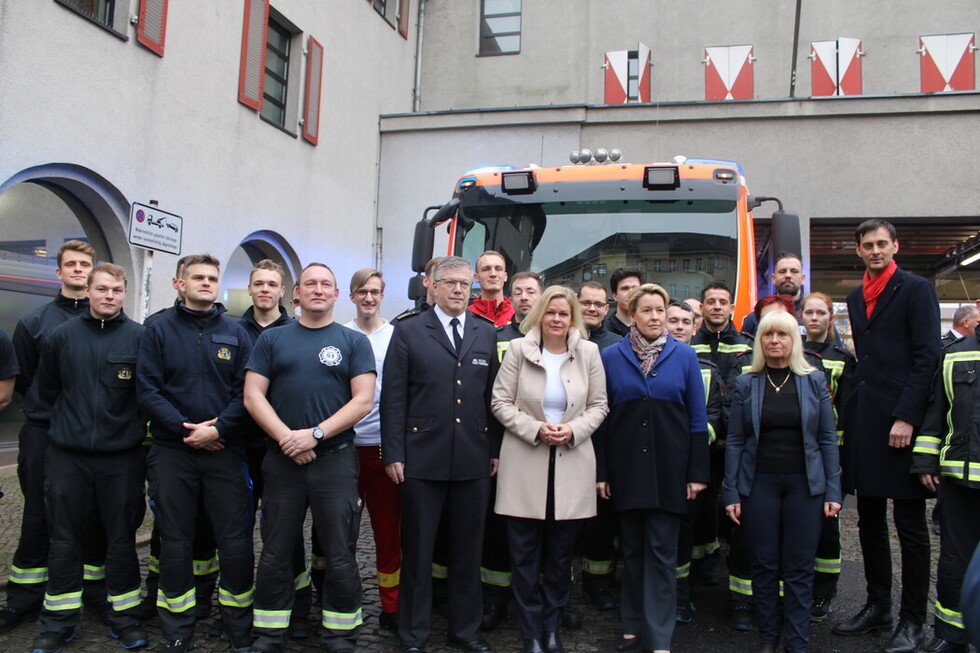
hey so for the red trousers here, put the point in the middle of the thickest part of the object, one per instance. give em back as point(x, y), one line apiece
point(380, 496)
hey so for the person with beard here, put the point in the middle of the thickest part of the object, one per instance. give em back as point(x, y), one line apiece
point(495, 572)
point(788, 278)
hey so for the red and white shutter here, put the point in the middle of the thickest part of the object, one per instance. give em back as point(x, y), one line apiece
point(823, 68)
point(251, 75)
point(314, 77)
point(617, 77)
point(404, 6)
point(947, 63)
point(835, 67)
point(643, 60)
point(151, 30)
point(850, 77)
point(728, 72)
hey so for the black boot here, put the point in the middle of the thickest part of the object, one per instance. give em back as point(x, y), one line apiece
point(940, 645)
point(906, 638)
point(870, 618)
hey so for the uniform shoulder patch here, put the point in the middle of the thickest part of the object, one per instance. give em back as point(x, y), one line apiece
point(412, 312)
point(484, 318)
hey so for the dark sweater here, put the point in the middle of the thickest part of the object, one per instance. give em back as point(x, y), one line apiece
point(780, 427)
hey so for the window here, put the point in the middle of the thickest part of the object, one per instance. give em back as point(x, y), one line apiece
point(835, 67)
point(672, 290)
point(627, 76)
point(671, 265)
point(698, 265)
point(500, 27)
point(395, 12)
point(276, 73)
point(104, 13)
point(656, 266)
point(687, 265)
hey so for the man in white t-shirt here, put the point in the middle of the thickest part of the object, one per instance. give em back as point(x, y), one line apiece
point(379, 493)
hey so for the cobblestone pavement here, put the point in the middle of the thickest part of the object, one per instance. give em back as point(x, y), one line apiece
point(708, 633)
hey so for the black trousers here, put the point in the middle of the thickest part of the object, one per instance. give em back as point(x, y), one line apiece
point(203, 551)
point(112, 485)
point(495, 563)
point(781, 523)
point(959, 535)
point(541, 555)
point(648, 539)
point(828, 562)
point(422, 507)
point(598, 541)
point(29, 567)
point(178, 478)
point(328, 487)
point(913, 535)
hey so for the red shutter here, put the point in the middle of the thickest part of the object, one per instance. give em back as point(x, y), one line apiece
point(849, 63)
point(251, 75)
point(617, 72)
point(823, 68)
point(151, 30)
point(728, 72)
point(314, 76)
point(643, 59)
point(947, 63)
point(404, 6)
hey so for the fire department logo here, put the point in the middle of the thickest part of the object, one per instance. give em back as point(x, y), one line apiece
point(224, 354)
point(330, 356)
point(124, 374)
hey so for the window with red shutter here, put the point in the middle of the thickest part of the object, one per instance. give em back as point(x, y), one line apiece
point(251, 80)
point(151, 30)
point(314, 76)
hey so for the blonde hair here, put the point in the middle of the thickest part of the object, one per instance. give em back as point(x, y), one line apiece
point(536, 314)
point(646, 289)
point(785, 322)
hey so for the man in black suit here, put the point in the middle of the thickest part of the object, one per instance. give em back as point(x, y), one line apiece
point(440, 442)
point(965, 321)
point(895, 321)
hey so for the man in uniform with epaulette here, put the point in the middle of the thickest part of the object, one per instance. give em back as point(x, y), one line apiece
point(698, 534)
point(720, 342)
point(430, 291)
point(946, 452)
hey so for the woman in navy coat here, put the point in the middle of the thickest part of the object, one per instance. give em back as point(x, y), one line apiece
point(782, 476)
point(652, 457)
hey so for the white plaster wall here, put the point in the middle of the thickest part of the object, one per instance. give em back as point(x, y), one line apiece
point(172, 129)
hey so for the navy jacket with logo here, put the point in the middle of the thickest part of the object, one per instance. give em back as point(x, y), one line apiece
point(191, 368)
point(86, 382)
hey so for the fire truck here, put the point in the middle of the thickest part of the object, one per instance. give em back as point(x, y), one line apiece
point(684, 223)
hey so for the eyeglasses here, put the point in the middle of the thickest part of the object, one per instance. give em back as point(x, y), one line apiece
point(452, 284)
point(364, 292)
point(595, 305)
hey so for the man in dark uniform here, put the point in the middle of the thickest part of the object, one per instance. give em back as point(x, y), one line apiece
point(947, 453)
point(189, 377)
point(787, 276)
point(599, 532)
point(29, 567)
point(621, 283)
point(495, 574)
point(965, 321)
point(430, 290)
point(692, 544)
point(308, 383)
point(95, 461)
point(441, 443)
point(718, 341)
point(895, 320)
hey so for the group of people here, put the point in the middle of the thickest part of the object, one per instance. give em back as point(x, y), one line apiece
point(489, 439)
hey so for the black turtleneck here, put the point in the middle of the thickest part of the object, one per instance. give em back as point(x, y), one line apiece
point(780, 427)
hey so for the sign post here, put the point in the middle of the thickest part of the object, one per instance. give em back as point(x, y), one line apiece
point(156, 231)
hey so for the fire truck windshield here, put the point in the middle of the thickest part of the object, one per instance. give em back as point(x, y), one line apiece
point(681, 245)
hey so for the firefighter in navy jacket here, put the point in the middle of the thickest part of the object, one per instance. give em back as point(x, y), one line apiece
point(190, 376)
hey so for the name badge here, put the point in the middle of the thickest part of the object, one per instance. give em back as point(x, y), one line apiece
point(481, 361)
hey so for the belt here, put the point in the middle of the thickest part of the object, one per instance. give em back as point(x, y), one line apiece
point(331, 449)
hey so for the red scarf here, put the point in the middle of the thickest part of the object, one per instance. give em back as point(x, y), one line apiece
point(874, 287)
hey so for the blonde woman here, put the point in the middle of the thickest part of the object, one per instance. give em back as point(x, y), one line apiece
point(550, 395)
point(782, 476)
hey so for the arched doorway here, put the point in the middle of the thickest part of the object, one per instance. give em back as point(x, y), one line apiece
point(253, 248)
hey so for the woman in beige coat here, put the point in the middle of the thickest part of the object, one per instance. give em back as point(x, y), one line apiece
point(550, 395)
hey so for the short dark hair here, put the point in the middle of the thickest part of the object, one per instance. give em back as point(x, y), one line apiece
point(199, 259)
point(591, 284)
point(717, 285)
point(684, 306)
point(875, 224)
point(115, 271)
point(624, 273)
point(784, 255)
point(181, 262)
point(527, 274)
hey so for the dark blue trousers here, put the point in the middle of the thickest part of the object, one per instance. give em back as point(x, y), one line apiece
point(781, 523)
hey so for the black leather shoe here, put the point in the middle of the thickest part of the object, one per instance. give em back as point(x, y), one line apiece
point(10, 618)
point(940, 645)
point(493, 613)
point(906, 638)
point(870, 618)
point(533, 646)
point(474, 646)
point(628, 644)
point(552, 644)
point(570, 618)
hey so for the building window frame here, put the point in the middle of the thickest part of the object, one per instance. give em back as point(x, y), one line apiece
point(288, 105)
point(115, 13)
point(489, 45)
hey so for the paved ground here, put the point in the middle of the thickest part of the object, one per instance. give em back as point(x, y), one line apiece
point(708, 633)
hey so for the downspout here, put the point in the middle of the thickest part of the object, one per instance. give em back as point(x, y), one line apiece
point(796, 46)
point(417, 91)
